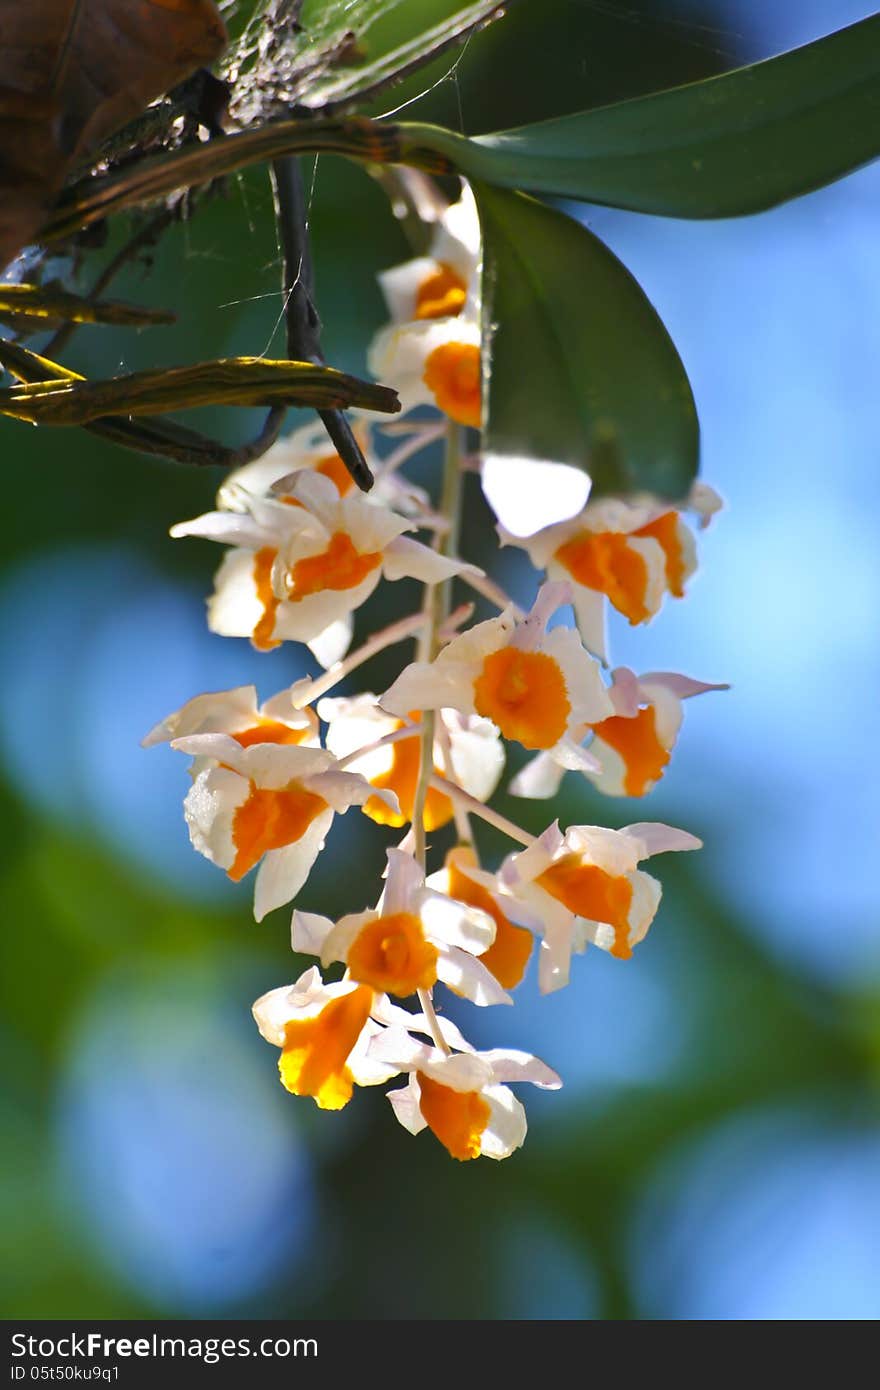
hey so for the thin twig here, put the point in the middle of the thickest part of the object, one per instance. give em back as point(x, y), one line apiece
point(301, 318)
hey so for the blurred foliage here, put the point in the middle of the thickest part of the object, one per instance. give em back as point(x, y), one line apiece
point(74, 911)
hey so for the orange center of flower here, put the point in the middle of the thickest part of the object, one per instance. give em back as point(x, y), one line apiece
point(271, 731)
point(402, 777)
point(638, 745)
point(452, 375)
point(458, 1118)
point(441, 294)
point(392, 955)
point(523, 693)
point(262, 635)
point(590, 892)
point(312, 1061)
point(338, 567)
point(270, 820)
point(509, 953)
point(665, 531)
point(605, 561)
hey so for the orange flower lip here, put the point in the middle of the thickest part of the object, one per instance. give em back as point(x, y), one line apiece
point(338, 567)
point(392, 955)
point(524, 693)
point(637, 743)
point(607, 562)
point(441, 294)
point(270, 820)
point(453, 374)
point(458, 1118)
point(316, 1050)
point(591, 893)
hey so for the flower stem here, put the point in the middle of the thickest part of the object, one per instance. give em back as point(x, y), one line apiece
point(426, 999)
point(396, 632)
point(476, 808)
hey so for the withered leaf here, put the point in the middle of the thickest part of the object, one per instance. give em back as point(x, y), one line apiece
point(243, 381)
point(28, 306)
point(74, 71)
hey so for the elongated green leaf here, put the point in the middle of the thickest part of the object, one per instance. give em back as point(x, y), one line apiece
point(580, 367)
point(733, 144)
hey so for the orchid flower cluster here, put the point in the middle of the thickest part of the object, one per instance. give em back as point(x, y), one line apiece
point(304, 552)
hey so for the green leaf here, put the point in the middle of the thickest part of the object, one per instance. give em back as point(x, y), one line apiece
point(728, 145)
point(580, 367)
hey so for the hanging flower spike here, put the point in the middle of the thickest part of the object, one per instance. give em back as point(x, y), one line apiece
point(266, 802)
point(461, 1097)
point(413, 938)
point(324, 1033)
point(632, 553)
point(431, 349)
point(632, 747)
point(299, 572)
point(475, 749)
point(308, 449)
point(463, 879)
point(538, 687)
point(237, 713)
point(585, 887)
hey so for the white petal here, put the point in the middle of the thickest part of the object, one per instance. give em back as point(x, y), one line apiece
point(477, 754)
point(658, 838)
point(554, 956)
point(308, 932)
point(506, 1130)
point(467, 976)
point(667, 713)
point(343, 789)
point(591, 615)
point(273, 1011)
point(682, 686)
point(616, 851)
point(625, 692)
point(230, 528)
point(404, 879)
point(405, 1104)
point(528, 494)
point(509, 1064)
point(210, 807)
point(527, 864)
point(307, 619)
point(539, 778)
point(234, 608)
point(456, 924)
point(463, 1071)
point(221, 711)
point(367, 1070)
point(705, 501)
point(283, 872)
point(425, 685)
point(406, 558)
point(611, 774)
point(401, 284)
point(332, 644)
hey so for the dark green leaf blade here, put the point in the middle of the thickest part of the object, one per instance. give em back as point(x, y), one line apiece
point(734, 144)
point(580, 368)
